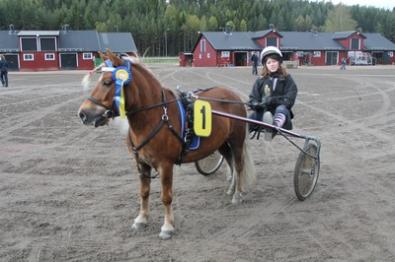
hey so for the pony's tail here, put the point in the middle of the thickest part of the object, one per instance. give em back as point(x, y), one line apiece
point(247, 174)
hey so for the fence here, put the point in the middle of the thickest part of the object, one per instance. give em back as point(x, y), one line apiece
point(171, 60)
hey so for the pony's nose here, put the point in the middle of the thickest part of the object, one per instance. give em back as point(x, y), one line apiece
point(83, 117)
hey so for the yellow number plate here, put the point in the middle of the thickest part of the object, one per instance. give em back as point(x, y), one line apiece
point(202, 118)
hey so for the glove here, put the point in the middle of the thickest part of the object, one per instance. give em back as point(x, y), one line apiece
point(255, 105)
point(266, 100)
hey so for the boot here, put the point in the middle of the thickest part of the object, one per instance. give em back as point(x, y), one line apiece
point(268, 119)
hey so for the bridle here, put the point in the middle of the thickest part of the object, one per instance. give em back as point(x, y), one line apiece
point(122, 76)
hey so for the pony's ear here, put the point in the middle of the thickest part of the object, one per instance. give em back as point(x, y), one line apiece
point(135, 57)
point(134, 54)
point(116, 61)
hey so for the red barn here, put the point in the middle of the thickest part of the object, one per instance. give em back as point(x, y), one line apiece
point(312, 48)
point(64, 49)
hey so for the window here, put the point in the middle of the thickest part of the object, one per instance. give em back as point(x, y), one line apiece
point(87, 56)
point(49, 56)
point(355, 43)
point(28, 57)
point(225, 54)
point(390, 54)
point(317, 54)
point(48, 44)
point(203, 46)
point(271, 41)
point(29, 44)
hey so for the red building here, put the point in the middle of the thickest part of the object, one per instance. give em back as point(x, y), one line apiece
point(312, 48)
point(64, 49)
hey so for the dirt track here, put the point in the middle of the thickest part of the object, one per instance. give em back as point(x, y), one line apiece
point(70, 193)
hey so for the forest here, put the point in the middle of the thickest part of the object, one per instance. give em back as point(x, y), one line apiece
point(166, 27)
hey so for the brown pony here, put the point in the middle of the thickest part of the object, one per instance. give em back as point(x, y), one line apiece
point(154, 133)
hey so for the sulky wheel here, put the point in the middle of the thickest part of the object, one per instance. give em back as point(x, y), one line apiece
point(307, 169)
point(210, 164)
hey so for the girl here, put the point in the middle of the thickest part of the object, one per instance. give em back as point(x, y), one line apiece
point(273, 93)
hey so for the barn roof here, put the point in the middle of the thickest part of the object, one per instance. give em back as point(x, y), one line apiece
point(232, 40)
point(294, 40)
point(375, 41)
point(309, 41)
point(38, 33)
point(73, 40)
point(117, 42)
point(78, 41)
point(345, 34)
point(259, 34)
point(9, 41)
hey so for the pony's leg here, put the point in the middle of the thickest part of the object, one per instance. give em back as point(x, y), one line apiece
point(226, 151)
point(237, 197)
point(166, 177)
point(140, 222)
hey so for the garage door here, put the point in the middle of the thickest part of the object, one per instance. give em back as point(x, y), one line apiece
point(68, 61)
point(12, 61)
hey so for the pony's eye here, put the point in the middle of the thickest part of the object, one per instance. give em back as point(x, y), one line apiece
point(107, 82)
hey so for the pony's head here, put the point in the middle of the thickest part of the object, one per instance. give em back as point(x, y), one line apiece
point(104, 99)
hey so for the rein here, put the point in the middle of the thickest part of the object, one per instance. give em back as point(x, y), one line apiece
point(145, 108)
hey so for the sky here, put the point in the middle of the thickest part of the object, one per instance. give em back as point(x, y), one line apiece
point(387, 4)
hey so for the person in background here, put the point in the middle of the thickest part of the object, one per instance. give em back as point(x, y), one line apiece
point(3, 71)
point(344, 62)
point(273, 93)
point(254, 61)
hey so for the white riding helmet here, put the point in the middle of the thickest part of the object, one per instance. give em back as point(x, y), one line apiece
point(271, 50)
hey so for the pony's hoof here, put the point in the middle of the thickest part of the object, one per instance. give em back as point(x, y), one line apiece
point(139, 226)
point(237, 199)
point(230, 191)
point(165, 235)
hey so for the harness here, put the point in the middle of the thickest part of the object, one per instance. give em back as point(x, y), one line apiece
point(164, 120)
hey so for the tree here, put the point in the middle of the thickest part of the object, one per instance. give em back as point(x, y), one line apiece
point(243, 25)
point(203, 23)
point(212, 24)
point(148, 20)
point(300, 23)
point(339, 19)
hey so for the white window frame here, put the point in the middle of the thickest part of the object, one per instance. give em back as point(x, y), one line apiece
point(60, 59)
point(47, 58)
point(203, 46)
point(87, 58)
point(337, 56)
point(225, 54)
point(267, 40)
point(25, 57)
point(390, 53)
point(317, 54)
point(359, 44)
point(39, 43)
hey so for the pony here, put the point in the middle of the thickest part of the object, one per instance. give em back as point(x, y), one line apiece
point(154, 134)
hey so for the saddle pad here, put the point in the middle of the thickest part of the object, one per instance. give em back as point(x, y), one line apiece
point(195, 142)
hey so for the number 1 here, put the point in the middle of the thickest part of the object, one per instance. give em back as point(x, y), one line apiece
point(203, 111)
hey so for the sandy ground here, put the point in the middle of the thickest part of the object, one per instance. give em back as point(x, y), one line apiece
point(70, 192)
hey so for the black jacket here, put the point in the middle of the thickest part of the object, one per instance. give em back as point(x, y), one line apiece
point(254, 59)
point(3, 66)
point(284, 93)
